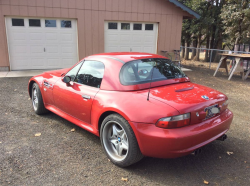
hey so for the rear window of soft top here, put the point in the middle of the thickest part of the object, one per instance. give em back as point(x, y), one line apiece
point(151, 69)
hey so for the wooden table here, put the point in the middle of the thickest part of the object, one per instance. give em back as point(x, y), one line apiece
point(237, 67)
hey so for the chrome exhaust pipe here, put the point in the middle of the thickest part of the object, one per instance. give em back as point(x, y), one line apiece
point(196, 152)
point(222, 138)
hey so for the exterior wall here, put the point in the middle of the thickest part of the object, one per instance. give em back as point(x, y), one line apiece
point(91, 15)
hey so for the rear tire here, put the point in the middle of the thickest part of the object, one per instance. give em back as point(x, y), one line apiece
point(37, 100)
point(119, 142)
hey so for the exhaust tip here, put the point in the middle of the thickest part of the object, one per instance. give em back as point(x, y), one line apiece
point(196, 152)
point(222, 138)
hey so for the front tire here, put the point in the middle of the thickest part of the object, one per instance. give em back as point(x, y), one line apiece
point(37, 100)
point(119, 141)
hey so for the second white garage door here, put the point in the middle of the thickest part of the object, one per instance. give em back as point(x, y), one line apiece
point(38, 43)
point(130, 37)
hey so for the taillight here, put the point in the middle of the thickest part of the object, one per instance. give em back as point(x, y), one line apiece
point(174, 121)
point(223, 106)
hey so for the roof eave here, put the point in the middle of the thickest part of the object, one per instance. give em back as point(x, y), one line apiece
point(185, 8)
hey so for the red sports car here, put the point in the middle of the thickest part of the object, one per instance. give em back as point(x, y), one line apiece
point(139, 104)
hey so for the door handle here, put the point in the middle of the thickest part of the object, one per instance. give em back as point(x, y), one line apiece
point(86, 97)
point(44, 50)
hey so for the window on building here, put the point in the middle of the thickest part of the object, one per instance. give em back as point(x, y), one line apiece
point(91, 74)
point(112, 26)
point(149, 26)
point(34, 22)
point(137, 26)
point(17, 22)
point(65, 24)
point(125, 26)
point(50, 23)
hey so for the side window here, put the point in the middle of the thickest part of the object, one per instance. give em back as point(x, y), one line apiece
point(72, 73)
point(91, 74)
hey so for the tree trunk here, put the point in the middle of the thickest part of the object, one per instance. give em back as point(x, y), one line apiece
point(187, 44)
point(219, 46)
point(197, 57)
point(183, 49)
point(207, 46)
point(194, 50)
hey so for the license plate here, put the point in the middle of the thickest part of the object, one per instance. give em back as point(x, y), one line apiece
point(211, 111)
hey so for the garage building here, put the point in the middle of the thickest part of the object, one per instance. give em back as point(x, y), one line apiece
point(52, 34)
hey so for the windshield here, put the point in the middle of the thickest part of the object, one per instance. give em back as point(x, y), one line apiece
point(145, 70)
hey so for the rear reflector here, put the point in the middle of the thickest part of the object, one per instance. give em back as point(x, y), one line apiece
point(174, 121)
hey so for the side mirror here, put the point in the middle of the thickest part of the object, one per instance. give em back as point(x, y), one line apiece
point(66, 79)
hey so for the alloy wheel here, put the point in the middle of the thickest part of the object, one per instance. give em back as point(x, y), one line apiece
point(115, 140)
point(34, 99)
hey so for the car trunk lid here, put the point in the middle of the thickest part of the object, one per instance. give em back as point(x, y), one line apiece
point(190, 98)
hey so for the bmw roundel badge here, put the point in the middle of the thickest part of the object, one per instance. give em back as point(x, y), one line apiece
point(205, 97)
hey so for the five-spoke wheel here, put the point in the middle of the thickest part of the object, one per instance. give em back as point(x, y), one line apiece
point(115, 140)
point(119, 141)
point(37, 100)
point(34, 98)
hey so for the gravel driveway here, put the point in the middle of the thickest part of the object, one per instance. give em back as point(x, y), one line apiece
point(60, 156)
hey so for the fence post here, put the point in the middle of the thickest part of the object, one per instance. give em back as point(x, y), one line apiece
point(211, 53)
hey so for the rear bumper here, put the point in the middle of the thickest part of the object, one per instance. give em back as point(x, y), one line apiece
point(172, 143)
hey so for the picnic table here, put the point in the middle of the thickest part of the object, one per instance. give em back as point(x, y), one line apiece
point(238, 67)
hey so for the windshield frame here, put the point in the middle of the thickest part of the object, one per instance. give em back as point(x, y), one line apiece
point(121, 78)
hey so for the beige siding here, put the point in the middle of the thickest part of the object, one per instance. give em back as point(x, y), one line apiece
point(91, 15)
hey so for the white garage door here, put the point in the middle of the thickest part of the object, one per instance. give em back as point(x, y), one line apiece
point(38, 43)
point(130, 37)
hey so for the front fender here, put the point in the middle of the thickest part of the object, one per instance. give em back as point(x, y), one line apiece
point(38, 80)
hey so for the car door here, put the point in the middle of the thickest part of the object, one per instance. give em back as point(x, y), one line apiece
point(76, 97)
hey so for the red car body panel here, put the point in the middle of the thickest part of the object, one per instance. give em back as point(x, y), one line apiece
point(167, 98)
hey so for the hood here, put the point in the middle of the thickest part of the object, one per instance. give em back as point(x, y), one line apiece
point(56, 73)
point(188, 97)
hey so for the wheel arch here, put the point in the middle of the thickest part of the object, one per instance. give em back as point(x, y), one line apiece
point(106, 113)
point(30, 87)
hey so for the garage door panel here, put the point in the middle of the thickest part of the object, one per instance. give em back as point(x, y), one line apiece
point(66, 37)
point(19, 50)
point(21, 63)
point(125, 48)
point(67, 49)
point(137, 49)
point(41, 47)
point(52, 49)
point(149, 39)
point(36, 36)
point(137, 38)
point(38, 63)
point(53, 63)
point(148, 48)
point(126, 38)
point(51, 36)
point(19, 36)
point(36, 49)
point(113, 37)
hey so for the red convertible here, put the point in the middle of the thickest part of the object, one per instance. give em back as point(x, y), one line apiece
point(139, 104)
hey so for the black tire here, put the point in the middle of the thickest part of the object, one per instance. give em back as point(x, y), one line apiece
point(133, 154)
point(39, 105)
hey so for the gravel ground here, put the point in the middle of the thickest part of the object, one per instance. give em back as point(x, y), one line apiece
point(60, 156)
